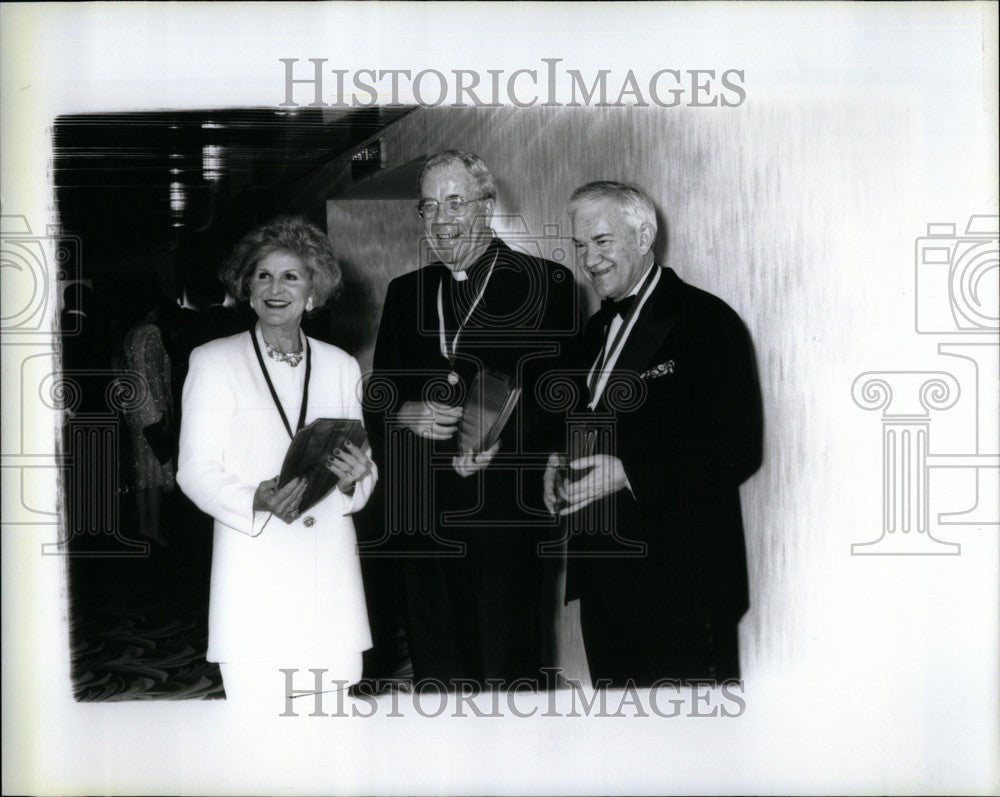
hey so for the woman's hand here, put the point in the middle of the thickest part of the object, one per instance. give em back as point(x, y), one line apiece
point(430, 419)
point(283, 502)
point(350, 464)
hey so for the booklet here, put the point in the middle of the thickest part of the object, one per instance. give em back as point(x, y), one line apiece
point(310, 448)
point(582, 443)
point(487, 409)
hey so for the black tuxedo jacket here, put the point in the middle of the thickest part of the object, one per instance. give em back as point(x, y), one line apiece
point(684, 408)
point(525, 323)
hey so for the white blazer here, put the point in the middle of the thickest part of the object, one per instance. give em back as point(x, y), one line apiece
point(280, 592)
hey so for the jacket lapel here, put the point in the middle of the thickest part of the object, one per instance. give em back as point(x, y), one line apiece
point(657, 319)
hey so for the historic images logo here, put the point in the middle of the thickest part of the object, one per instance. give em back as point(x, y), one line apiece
point(317, 695)
point(958, 299)
point(551, 85)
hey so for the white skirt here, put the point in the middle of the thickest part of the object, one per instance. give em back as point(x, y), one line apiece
point(287, 689)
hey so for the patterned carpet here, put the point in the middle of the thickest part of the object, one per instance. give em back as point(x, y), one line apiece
point(152, 652)
point(139, 625)
point(139, 629)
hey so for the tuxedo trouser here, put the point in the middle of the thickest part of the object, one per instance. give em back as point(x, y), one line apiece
point(644, 648)
point(467, 620)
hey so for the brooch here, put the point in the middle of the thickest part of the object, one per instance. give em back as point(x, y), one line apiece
point(309, 521)
point(659, 370)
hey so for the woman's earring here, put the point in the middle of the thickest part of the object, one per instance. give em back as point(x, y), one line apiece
point(309, 304)
point(253, 306)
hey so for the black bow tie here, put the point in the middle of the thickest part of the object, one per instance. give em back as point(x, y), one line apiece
point(610, 308)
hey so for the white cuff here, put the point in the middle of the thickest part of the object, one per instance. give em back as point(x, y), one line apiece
point(349, 501)
point(260, 520)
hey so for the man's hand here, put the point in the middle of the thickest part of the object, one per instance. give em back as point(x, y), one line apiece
point(468, 463)
point(551, 483)
point(430, 419)
point(283, 503)
point(606, 477)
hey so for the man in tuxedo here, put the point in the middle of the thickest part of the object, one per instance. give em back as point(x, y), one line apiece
point(672, 399)
point(466, 524)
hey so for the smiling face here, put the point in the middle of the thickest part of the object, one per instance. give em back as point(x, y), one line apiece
point(613, 253)
point(280, 286)
point(456, 241)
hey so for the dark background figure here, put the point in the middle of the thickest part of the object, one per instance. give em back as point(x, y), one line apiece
point(86, 354)
point(81, 328)
point(464, 526)
point(216, 315)
point(139, 609)
point(151, 422)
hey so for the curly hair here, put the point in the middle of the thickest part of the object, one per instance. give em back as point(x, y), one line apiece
point(292, 235)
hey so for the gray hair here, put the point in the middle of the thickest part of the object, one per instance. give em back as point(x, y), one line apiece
point(473, 164)
point(635, 203)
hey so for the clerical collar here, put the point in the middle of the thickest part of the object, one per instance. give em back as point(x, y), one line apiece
point(462, 276)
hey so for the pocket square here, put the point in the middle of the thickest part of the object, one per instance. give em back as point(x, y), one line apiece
point(658, 370)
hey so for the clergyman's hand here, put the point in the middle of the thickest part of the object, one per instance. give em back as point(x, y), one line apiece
point(430, 419)
point(469, 463)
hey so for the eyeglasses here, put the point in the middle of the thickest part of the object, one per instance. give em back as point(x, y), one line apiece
point(454, 206)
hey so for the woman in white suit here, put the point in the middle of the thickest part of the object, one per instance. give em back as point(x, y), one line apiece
point(286, 590)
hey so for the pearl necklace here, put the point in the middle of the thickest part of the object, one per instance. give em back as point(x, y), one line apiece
point(292, 359)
